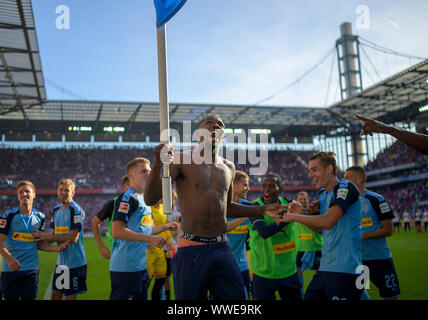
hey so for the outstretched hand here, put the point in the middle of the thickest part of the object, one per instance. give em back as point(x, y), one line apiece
point(372, 126)
point(275, 210)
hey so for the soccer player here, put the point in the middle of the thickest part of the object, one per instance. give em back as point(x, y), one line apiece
point(425, 219)
point(156, 258)
point(106, 212)
point(18, 247)
point(340, 222)
point(238, 228)
point(418, 219)
point(309, 242)
point(133, 231)
point(376, 225)
point(69, 279)
point(273, 250)
point(396, 221)
point(204, 259)
point(406, 220)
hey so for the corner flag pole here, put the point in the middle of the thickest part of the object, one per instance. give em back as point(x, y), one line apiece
point(164, 115)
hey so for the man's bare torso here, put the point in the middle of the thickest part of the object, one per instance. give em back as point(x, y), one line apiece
point(203, 191)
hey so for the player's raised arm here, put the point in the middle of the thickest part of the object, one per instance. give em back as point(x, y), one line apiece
point(417, 141)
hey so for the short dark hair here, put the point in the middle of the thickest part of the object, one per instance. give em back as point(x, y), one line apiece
point(326, 159)
point(276, 179)
point(359, 170)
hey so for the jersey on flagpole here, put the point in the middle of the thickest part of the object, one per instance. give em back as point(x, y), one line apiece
point(166, 9)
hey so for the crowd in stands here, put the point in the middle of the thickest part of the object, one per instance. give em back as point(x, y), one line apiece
point(398, 153)
point(103, 168)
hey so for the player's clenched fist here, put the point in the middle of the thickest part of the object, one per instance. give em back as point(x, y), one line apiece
point(164, 154)
point(157, 241)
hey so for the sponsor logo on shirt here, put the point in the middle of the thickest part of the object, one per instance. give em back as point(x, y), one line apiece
point(342, 193)
point(3, 223)
point(284, 247)
point(147, 221)
point(305, 236)
point(20, 236)
point(366, 222)
point(384, 207)
point(61, 229)
point(239, 229)
point(78, 218)
point(124, 207)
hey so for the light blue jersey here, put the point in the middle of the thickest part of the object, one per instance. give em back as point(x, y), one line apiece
point(341, 251)
point(19, 241)
point(375, 210)
point(130, 256)
point(237, 240)
point(64, 221)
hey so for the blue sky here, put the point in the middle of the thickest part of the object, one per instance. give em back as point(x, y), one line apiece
point(219, 51)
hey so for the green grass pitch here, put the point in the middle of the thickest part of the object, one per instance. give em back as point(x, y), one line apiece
point(409, 250)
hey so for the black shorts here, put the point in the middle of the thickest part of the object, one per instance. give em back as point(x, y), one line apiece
point(418, 223)
point(69, 282)
point(333, 286)
point(202, 268)
point(129, 285)
point(19, 285)
point(383, 275)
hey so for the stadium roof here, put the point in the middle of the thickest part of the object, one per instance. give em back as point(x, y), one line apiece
point(395, 99)
point(24, 107)
point(136, 115)
point(21, 78)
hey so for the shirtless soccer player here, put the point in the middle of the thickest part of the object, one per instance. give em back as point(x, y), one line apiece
point(204, 259)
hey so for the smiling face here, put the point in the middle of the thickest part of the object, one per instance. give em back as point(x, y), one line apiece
point(65, 193)
point(302, 198)
point(26, 195)
point(319, 173)
point(241, 188)
point(270, 190)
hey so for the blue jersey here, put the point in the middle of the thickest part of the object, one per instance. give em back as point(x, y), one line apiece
point(130, 256)
point(375, 210)
point(19, 241)
point(341, 251)
point(71, 218)
point(237, 240)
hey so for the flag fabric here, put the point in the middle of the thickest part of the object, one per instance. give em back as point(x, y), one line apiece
point(166, 9)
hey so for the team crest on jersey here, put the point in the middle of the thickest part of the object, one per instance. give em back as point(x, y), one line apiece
point(124, 207)
point(342, 193)
point(384, 207)
point(3, 223)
